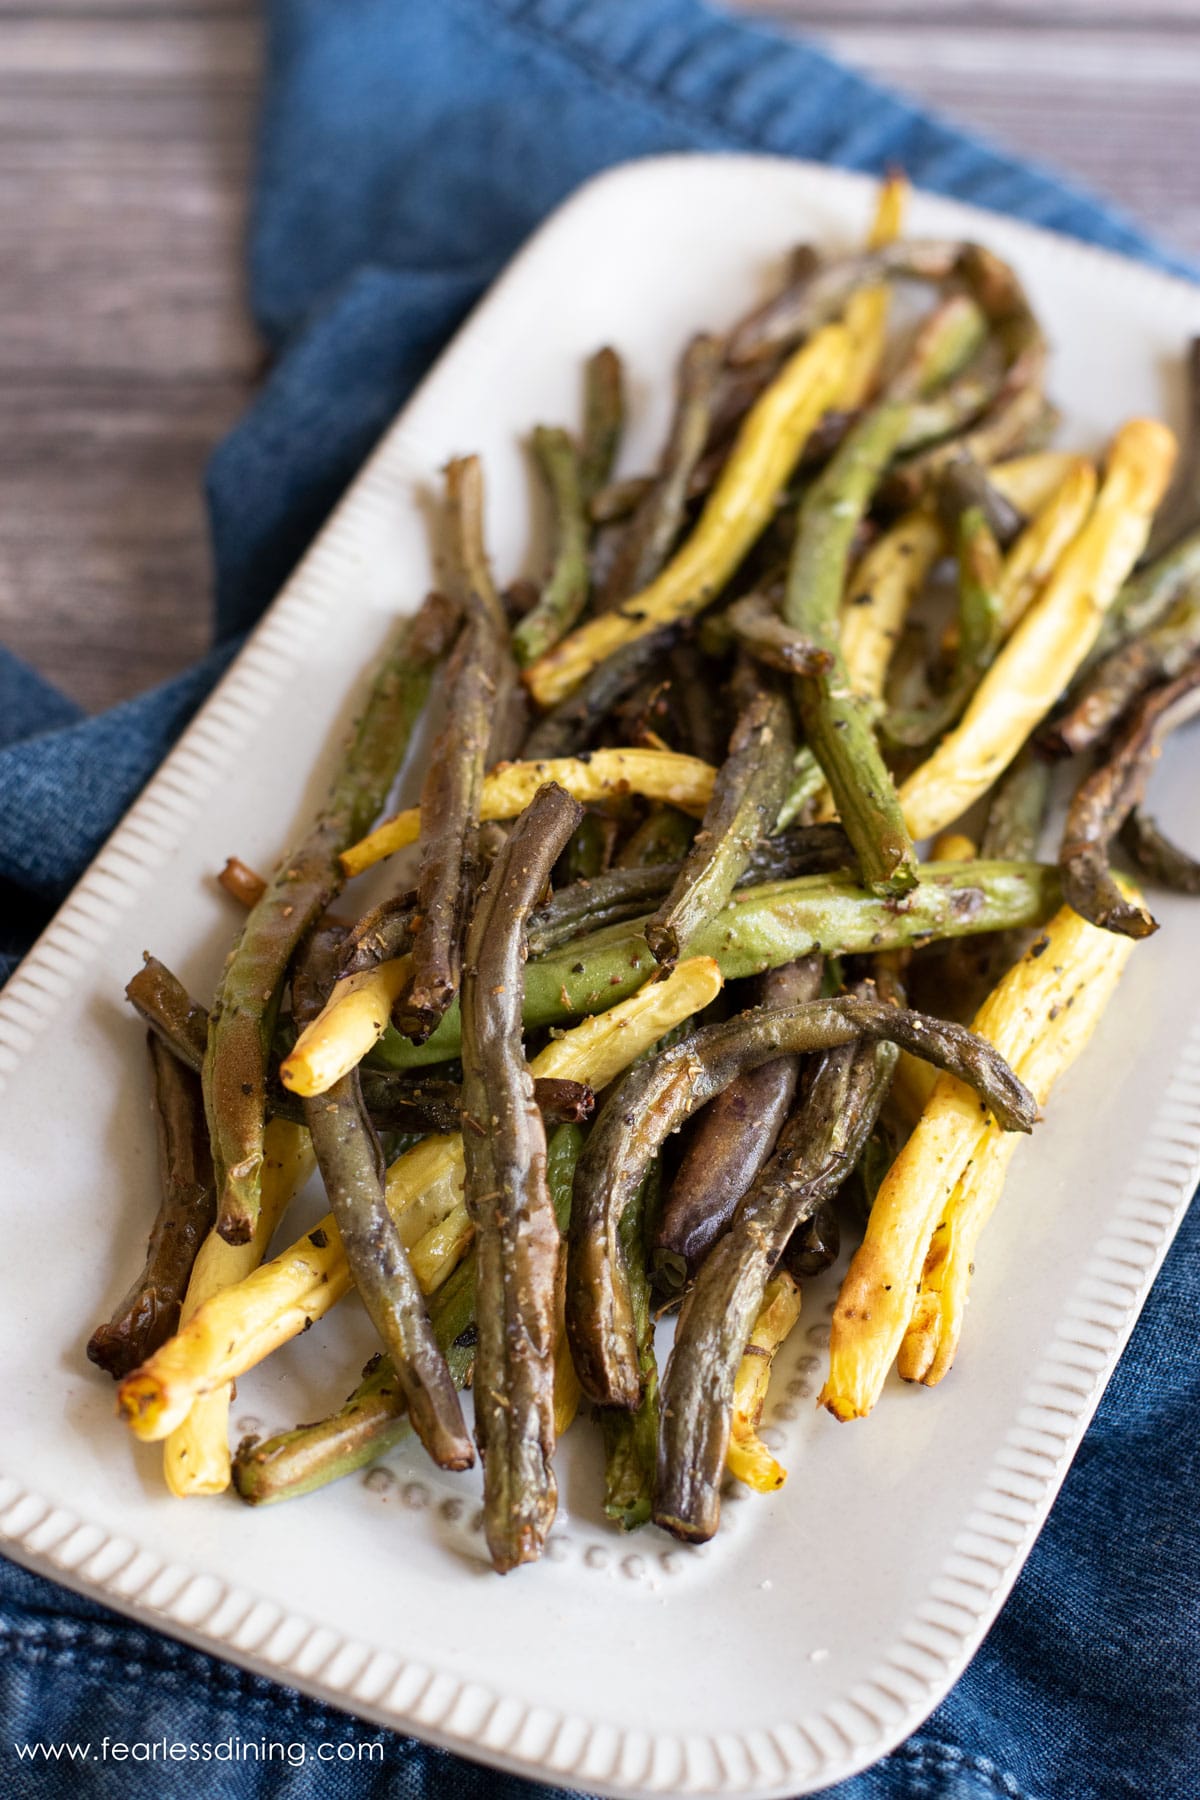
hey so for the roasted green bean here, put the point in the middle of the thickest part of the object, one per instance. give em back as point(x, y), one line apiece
point(565, 594)
point(697, 701)
point(818, 292)
point(1148, 596)
point(651, 532)
point(480, 683)
point(746, 798)
point(878, 1154)
point(516, 1236)
point(964, 483)
point(755, 621)
point(965, 396)
point(590, 850)
point(617, 499)
point(247, 1000)
point(623, 892)
point(660, 842)
point(631, 1438)
point(1013, 405)
point(570, 726)
point(437, 1107)
point(969, 968)
point(181, 1023)
point(1017, 809)
point(814, 1245)
point(1158, 654)
point(352, 1169)
point(729, 1143)
point(396, 1102)
point(375, 1418)
point(384, 932)
point(837, 720)
point(162, 1001)
point(980, 632)
point(1158, 857)
point(807, 782)
point(1019, 420)
point(1104, 801)
point(763, 927)
point(149, 1312)
point(603, 420)
point(819, 1148)
point(655, 1098)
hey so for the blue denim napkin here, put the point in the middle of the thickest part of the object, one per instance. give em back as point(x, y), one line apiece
point(407, 148)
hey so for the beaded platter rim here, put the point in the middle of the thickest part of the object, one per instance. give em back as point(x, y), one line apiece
point(1010, 1504)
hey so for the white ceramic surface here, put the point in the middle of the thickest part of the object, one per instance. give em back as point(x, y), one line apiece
point(822, 1624)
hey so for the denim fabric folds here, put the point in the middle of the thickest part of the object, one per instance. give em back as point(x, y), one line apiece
point(407, 148)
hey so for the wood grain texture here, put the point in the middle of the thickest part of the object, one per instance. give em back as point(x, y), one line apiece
point(125, 346)
point(1103, 91)
point(126, 349)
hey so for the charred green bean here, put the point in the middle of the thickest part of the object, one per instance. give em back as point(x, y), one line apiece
point(1104, 801)
point(756, 622)
point(162, 1001)
point(480, 683)
point(631, 1438)
point(149, 1312)
point(814, 1245)
point(380, 934)
point(818, 292)
point(1159, 654)
point(964, 484)
point(1148, 596)
point(570, 726)
point(837, 721)
point(655, 1098)
point(729, 1143)
point(819, 1148)
point(516, 1235)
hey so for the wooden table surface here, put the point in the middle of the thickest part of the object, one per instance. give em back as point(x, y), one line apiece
point(125, 345)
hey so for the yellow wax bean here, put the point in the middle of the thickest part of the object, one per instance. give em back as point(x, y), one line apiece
point(768, 447)
point(196, 1455)
point(350, 1023)
point(1039, 1017)
point(663, 775)
point(747, 1456)
point(866, 314)
point(1052, 640)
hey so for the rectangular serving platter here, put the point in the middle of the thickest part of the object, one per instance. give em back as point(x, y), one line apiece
point(822, 1624)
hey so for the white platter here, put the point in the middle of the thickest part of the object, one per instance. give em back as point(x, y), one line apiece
point(823, 1624)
